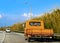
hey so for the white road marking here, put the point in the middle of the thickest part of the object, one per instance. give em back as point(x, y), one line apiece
point(2, 36)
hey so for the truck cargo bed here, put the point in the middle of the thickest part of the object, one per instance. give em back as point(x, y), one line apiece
point(42, 32)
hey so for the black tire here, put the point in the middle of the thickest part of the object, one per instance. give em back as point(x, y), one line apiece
point(29, 40)
point(25, 38)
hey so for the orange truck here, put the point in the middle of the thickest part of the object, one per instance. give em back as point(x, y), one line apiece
point(34, 29)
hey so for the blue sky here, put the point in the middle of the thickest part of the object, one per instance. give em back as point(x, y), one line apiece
point(14, 11)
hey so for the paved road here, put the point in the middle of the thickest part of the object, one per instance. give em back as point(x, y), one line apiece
point(2, 36)
point(19, 38)
point(13, 38)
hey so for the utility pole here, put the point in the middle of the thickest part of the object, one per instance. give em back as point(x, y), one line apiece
point(30, 13)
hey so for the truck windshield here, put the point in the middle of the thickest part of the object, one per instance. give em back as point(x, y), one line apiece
point(35, 23)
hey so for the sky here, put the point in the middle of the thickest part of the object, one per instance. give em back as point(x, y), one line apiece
point(14, 11)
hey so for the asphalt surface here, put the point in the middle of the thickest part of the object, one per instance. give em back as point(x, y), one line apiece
point(13, 38)
point(2, 36)
point(19, 38)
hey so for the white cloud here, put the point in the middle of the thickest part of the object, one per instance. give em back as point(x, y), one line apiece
point(25, 15)
point(0, 16)
point(29, 15)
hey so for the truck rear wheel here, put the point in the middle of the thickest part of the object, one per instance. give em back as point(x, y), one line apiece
point(25, 38)
point(29, 39)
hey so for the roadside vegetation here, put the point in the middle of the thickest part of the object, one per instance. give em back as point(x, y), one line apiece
point(51, 20)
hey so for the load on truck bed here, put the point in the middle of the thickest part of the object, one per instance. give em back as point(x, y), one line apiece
point(35, 29)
